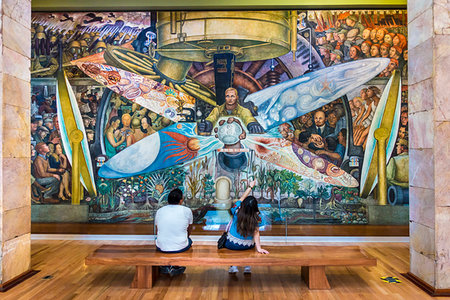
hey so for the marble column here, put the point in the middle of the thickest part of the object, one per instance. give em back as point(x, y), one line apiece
point(15, 219)
point(429, 136)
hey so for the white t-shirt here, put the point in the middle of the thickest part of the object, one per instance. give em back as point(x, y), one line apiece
point(172, 222)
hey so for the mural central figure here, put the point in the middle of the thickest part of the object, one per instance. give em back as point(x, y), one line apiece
point(231, 107)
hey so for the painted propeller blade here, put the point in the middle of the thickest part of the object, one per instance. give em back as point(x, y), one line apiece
point(69, 118)
point(387, 115)
point(176, 144)
point(293, 157)
point(293, 98)
point(148, 93)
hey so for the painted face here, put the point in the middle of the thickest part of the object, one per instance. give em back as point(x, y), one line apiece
point(373, 34)
point(404, 119)
point(374, 52)
point(396, 41)
point(402, 132)
point(56, 123)
point(44, 149)
point(369, 93)
point(350, 103)
point(231, 99)
point(366, 34)
point(321, 41)
point(144, 123)
point(333, 56)
point(341, 138)
point(116, 124)
point(388, 39)
point(353, 53)
point(405, 54)
point(324, 52)
point(126, 120)
point(380, 34)
point(319, 118)
point(350, 22)
point(384, 51)
point(332, 120)
point(58, 149)
point(304, 118)
point(365, 48)
point(392, 66)
point(363, 94)
point(90, 136)
point(392, 52)
point(42, 134)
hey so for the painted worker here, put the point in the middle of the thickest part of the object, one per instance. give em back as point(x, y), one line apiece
point(230, 108)
point(397, 172)
point(44, 174)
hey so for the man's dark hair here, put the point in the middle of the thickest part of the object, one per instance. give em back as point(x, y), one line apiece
point(304, 136)
point(175, 196)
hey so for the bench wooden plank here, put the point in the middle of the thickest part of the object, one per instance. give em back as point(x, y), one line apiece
point(312, 260)
point(209, 255)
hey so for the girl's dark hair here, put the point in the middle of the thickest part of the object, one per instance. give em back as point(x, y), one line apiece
point(248, 217)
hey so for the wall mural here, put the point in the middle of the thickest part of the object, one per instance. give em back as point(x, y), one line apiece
point(150, 94)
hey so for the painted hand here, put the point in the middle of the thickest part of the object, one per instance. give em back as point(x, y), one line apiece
point(255, 128)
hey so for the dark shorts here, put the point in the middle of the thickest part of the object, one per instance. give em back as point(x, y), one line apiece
point(178, 251)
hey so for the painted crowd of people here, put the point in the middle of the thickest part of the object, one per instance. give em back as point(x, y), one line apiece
point(349, 40)
point(50, 171)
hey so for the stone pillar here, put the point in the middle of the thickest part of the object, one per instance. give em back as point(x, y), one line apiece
point(429, 136)
point(15, 219)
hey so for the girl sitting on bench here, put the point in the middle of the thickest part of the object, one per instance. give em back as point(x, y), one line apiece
point(244, 230)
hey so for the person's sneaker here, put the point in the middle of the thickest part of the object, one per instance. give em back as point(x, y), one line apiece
point(247, 270)
point(233, 270)
point(176, 270)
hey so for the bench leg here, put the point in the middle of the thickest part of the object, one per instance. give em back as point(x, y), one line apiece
point(315, 278)
point(144, 277)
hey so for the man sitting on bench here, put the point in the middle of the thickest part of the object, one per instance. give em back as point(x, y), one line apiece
point(173, 225)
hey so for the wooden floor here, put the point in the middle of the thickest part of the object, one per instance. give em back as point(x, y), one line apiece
point(70, 278)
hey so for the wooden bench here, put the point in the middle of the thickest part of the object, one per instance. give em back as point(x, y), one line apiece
point(311, 259)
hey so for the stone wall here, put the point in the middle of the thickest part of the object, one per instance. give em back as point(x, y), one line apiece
point(429, 133)
point(15, 138)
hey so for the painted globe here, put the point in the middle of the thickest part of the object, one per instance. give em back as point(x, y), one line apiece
point(229, 133)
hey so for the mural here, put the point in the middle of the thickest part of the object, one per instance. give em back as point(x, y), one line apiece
point(163, 101)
